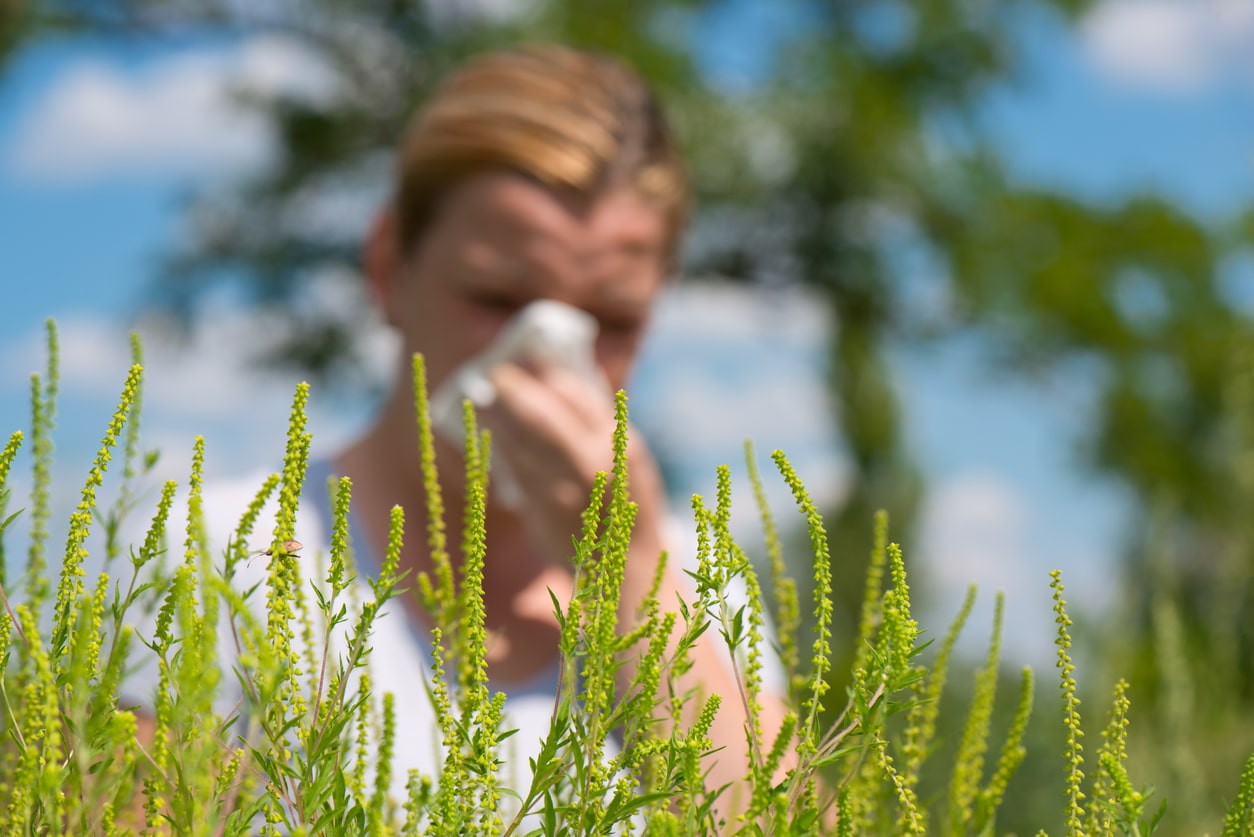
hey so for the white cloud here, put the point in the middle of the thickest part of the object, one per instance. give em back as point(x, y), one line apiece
point(178, 114)
point(1173, 46)
point(975, 529)
point(982, 528)
point(776, 407)
point(726, 362)
point(976, 526)
point(94, 356)
point(209, 386)
point(696, 311)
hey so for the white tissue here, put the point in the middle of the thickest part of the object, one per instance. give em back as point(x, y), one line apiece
point(547, 334)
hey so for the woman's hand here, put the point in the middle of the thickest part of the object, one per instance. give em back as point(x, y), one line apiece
point(555, 431)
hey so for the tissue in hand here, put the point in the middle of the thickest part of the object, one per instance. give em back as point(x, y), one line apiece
point(546, 333)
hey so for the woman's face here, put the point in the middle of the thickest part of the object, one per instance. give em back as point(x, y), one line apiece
point(499, 242)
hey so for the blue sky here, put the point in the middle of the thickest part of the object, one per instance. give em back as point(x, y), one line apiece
point(99, 140)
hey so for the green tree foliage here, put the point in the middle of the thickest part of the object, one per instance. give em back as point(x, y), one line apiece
point(15, 19)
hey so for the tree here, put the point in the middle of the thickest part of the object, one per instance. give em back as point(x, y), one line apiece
point(15, 26)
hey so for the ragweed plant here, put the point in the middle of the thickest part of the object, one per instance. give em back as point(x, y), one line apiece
point(261, 714)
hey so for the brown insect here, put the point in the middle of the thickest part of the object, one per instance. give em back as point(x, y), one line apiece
point(289, 547)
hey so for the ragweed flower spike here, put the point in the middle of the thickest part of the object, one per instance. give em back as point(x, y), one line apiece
point(70, 586)
point(1240, 817)
point(786, 609)
point(821, 648)
point(438, 590)
point(921, 726)
point(337, 573)
point(6, 461)
point(1012, 755)
point(6, 457)
point(43, 402)
point(873, 592)
point(969, 764)
point(1071, 711)
point(248, 521)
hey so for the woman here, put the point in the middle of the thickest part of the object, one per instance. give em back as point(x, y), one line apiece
point(540, 174)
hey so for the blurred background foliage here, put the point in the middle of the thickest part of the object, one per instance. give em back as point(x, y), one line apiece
point(851, 162)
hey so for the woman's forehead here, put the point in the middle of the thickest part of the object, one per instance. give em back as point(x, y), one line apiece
point(510, 229)
point(507, 209)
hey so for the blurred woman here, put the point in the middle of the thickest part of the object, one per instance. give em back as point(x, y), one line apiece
point(541, 174)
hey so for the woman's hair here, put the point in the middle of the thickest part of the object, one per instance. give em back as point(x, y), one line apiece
point(578, 122)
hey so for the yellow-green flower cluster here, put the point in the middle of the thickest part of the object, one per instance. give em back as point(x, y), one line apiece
point(695, 744)
point(43, 403)
point(910, 820)
point(1113, 746)
point(385, 749)
point(1239, 820)
point(7, 455)
point(239, 551)
point(899, 630)
point(315, 754)
point(873, 591)
point(284, 577)
point(647, 680)
point(151, 547)
point(472, 650)
point(1012, 755)
point(787, 610)
point(1071, 711)
point(820, 660)
point(361, 760)
point(764, 793)
point(337, 574)
point(437, 595)
point(36, 784)
point(921, 724)
point(968, 770)
point(70, 587)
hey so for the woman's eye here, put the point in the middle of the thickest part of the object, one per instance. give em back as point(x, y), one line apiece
point(495, 302)
point(620, 327)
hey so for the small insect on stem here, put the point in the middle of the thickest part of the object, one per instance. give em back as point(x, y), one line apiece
point(288, 547)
